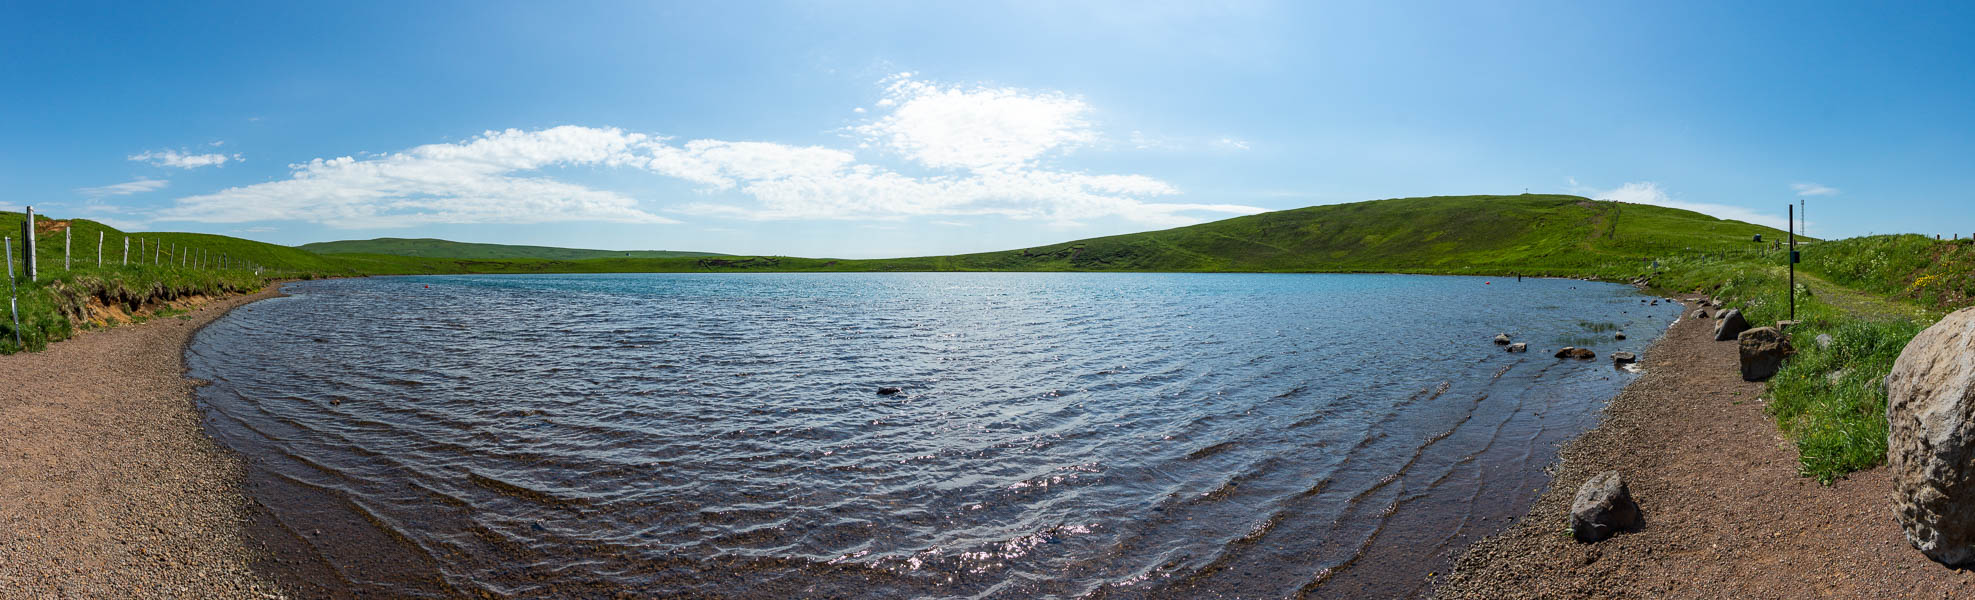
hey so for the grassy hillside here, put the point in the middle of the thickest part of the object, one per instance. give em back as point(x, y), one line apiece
point(1933, 273)
point(1528, 234)
point(435, 248)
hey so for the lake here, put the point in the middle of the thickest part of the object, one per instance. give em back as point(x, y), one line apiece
point(1056, 435)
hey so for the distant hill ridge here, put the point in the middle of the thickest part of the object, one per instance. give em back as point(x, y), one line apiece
point(437, 248)
point(1534, 234)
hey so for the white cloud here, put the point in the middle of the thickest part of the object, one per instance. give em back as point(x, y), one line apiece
point(1812, 189)
point(986, 148)
point(1232, 143)
point(1647, 192)
point(982, 128)
point(474, 181)
point(181, 160)
point(127, 188)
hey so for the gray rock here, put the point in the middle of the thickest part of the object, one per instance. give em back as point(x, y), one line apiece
point(1699, 313)
point(887, 391)
point(1619, 358)
point(1518, 347)
point(1930, 416)
point(1502, 339)
point(1763, 350)
point(1603, 506)
point(1824, 340)
point(1731, 324)
point(1618, 336)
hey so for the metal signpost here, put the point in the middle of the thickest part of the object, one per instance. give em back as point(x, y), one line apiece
point(1793, 262)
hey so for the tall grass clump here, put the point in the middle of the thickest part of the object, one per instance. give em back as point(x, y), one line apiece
point(1831, 399)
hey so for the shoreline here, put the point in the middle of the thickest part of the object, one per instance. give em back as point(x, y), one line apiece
point(113, 487)
point(1726, 513)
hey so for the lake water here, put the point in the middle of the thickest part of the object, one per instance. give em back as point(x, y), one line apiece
point(1058, 435)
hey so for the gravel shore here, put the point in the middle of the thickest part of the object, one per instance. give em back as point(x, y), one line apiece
point(1726, 514)
point(109, 487)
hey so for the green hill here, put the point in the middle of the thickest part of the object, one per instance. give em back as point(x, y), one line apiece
point(436, 248)
point(1532, 234)
point(1528, 234)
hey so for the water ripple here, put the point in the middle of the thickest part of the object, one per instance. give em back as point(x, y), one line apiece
point(1058, 435)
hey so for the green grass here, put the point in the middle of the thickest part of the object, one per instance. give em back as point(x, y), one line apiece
point(1936, 274)
point(435, 248)
point(1533, 235)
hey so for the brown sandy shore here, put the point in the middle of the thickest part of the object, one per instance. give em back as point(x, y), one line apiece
point(109, 487)
point(1726, 515)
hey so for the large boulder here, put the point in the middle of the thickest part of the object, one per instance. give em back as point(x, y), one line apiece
point(1603, 506)
point(1763, 350)
point(1729, 324)
point(1930, 417)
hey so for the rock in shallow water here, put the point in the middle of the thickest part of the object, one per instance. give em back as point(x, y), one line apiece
point(1930, 416)
point(1518, 347)
point(887, 391)
point(1603, 506)
point(1502, 338)
point(1619, 358)
point(1763, 350)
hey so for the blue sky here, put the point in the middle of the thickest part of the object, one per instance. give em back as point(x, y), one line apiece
point(911, 128)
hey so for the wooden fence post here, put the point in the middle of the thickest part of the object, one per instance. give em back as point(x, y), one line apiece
point(99, 249)
point(126, 251)
point(66, 235)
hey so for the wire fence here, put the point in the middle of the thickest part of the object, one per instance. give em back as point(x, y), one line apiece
point(169, 255)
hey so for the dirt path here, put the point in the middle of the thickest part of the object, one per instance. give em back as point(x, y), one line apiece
point(1726, 515)
point(109, 488)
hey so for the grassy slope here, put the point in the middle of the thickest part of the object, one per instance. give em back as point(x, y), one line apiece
point(435, 248)
point(1529, 234)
